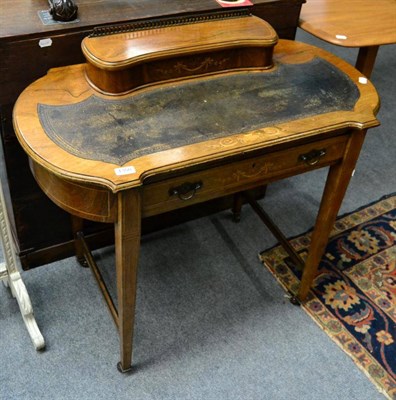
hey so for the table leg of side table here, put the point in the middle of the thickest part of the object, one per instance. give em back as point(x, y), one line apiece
point(366, 59)
point(127, 245)
point(336, 185)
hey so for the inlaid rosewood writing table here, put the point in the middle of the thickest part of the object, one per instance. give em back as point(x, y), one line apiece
point(364, 24)
point(28, 49)
point(198, 133)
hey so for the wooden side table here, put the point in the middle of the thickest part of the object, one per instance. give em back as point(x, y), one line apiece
point(166, 145)
point(356, 23)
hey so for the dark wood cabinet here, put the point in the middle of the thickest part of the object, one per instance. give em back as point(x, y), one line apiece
point(28, 49)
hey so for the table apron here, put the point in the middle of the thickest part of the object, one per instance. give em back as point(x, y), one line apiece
point(99, 204)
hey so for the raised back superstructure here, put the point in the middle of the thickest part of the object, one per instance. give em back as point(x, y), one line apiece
point(124, 57)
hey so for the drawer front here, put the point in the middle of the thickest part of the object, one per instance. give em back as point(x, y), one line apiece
point(196, 187)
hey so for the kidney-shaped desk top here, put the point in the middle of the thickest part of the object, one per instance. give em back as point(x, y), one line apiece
point(165, 146)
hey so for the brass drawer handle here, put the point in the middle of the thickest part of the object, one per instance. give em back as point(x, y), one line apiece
point(185, 191)
point(312, 157)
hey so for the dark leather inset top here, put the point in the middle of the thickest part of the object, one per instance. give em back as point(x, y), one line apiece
point(117, 131)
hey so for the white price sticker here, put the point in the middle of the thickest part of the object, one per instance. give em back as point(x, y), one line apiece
point(45, 42)
point(125, 170)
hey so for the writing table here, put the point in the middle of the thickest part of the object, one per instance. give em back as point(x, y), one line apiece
point(163, 146)
point(356, 23)
point(28, 49)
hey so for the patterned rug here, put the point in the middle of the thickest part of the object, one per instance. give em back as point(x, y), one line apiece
point(353, 298)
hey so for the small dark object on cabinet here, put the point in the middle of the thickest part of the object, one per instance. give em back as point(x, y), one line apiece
point(63, 10)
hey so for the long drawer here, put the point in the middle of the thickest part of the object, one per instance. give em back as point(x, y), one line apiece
point(236, 176)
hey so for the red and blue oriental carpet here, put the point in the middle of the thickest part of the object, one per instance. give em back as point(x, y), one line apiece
point(353, 298)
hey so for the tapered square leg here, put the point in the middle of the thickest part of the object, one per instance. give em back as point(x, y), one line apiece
point(366, 59)
point(336, 185)
point(77, 226)
point(127, 245)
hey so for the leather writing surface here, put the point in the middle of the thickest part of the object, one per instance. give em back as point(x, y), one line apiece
point(117, 131)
